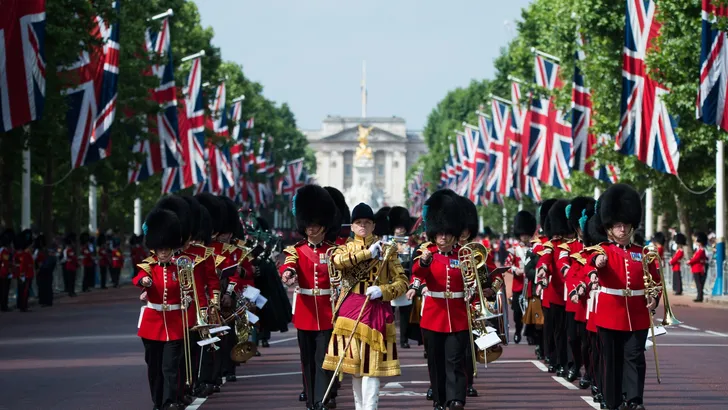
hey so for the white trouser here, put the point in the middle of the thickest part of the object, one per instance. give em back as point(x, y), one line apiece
point(366, 392)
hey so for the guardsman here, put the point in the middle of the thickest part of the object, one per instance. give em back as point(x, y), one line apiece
point(676, 263)
point(104, 258)
point(444, 315)
point(365, 277)
point(306, 264)
point(87, 260)
point(45, 263)
point(400, 225)
point(160, 322)
point(6, 267)
point(659, 239)
point(623, 317)
point(69, 262)
point(524, 227)
point(579, 207)
point(698, 263)
point(24, 267)
point(340, 236)
point(543, 250)
point(117, 261)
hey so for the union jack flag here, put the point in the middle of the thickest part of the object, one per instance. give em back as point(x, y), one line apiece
point(418, 193)
point(550, 135)
point(220, 170)
point(22, 62)
point(453, 169)
point(250, 124)
point(294, 177)
point(92, 100)
point(466, 151)
point(646, 129)
point(219, 112)
point(479, 162)
point(164, 153)
point(236, 114)
point(585, 142)
point(192, 135)
point(527, 185)
point(711, 107)
point(237, 154)
point(502, 150)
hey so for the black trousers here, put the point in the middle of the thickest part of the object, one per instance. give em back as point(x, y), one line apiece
point(699, 284)
point(23, 293)
point(45, 286)
point(469, 363)
point(162, 370)
point(312, 345)
point(115, 273)
point(69, 281)
point(404, 315)
point(88, 278)
point(201, 369)
point(227, 365)
point(624, 365)
point(596, 359)
point(517, 313)
point(556, 320)
point(573, 339)
point(548, 335)
point(677, 281)
point(446, 356)
point(103, 271)
point(4, 293)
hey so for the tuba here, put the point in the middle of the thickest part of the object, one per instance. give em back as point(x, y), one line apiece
point(244, 349)
point(652, 288)
point(185, 272)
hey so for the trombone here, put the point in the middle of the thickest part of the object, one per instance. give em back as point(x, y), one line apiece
point(652, 288)
point(186, 283)
point(471, 258)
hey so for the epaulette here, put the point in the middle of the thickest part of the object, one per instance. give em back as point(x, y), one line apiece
point(150, 260)
point(218, 260)
point(596, 248)
point(577, 257)
point(535, 240)
point(565, 246)
point(548, 245)
point(291, 250)
point(229, 248)
point(145, 267)
point(299, 243)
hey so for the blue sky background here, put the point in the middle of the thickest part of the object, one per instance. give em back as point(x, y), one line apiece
point(309, 52)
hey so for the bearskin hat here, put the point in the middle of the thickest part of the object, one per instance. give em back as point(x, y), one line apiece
point(7, 237)
point(620, 203)
point(442, 214)
point(701, 238)
point(70, 238)
point(204, 234)
point(39, 242)
point(179, 206)
point(163, 230)
point(399, 216)
point(381, 221)
point(24, 239)
point(659, 238)
point(215, 208)
point(340, 202)
point(524, 223)
point(263, 225)
point(680, 239)
point(231, 215)
point(487, 231)
point(543, 212)
point(194, 213)
point(313, 205)
point(593, 233)
point(470, 213)
point(639, 237)
point(557, 223)
point(581, 206)
point(83, 238)
point(101, 239)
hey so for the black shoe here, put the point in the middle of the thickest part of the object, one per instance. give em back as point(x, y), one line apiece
point(471, 392)
point(425, 354)
point(174, 406)
point(572, 375)
point(456, 405)
point(561, 372)
point(231, 378)
point(319, 406)
point(517, 338)
point(265, 343)
point(216, 388)
point(530, 341)
point(547, 360)
point(552, 369)
point(257, 353)
point(187, 400)
point(599, 398)
point(302, 396)
point(635, 406)
point(331, 403)
point(594, 390)
point(539, 356)
point(404, 345)
point(678, 293)
point(438, 406)
point(602, 404)
point(429, 395)
point(698, 300)
point(584, 383)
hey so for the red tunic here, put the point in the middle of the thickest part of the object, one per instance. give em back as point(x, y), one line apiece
point(697, 262)
point(39, 256)
point(574, 279)
point(443, 277)
point(564, 263)
point(137, 254)
point(341, 241)
point(676, 260)
point(622, 271)
point(117, 259)
point(87, 256)
point(24, 268)
point(6, 265)
point(161, 319)
point(70, 260)
point(311, 309)
point(206, 280)
point(104, 256)
point(516, 256)
point(554, 292)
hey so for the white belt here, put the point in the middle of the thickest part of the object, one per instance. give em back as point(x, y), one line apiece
point(314, 292)
point(446, 295)
point(163, 307)
point(623, 292)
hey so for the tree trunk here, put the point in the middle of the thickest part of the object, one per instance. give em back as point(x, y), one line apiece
point(685, 228)
point(47, 200)
point(104, 210)
point(6, 185)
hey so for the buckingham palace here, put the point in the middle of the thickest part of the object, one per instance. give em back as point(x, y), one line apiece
point(394, 149)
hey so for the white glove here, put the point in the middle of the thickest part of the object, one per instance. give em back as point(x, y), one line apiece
point(376, 249)
point(374, 292)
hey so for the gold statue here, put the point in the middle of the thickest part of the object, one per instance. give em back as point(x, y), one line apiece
point(363, 150)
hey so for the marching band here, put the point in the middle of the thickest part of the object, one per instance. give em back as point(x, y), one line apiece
point(583, 293)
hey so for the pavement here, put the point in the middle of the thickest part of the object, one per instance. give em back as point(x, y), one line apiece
point(83, 353)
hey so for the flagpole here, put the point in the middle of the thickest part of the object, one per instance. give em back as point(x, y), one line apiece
point(597, 192)
point(465, 124)
point(92, 206)
point(515, 79)
point(483, 114)
point(719, 216)
point(503, 100)
point(648, 215)
point(137, 213)
point(25, 211)
point(542, 54)
point(168, 13)
point(200, 53)
point(241, 98)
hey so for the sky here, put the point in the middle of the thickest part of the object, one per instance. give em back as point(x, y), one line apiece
point(309, 53)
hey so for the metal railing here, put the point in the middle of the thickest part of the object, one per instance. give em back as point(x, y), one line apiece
point(688, 283)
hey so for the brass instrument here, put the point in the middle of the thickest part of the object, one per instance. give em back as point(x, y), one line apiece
point(185, 269)
point(186, 282)
point(334, 277)
point(652, 288)
point(244, 349)
point(388, 251)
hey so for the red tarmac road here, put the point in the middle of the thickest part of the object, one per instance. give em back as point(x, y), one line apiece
point(83, 353)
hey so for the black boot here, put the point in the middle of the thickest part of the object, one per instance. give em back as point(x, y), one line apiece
point(561, 372)
point(429, 394)
point(552, 369)
point(471, 392)
point(456, 405)
point(585, 382)
point(404, 345)
point(517, 338)
point(265, 343)
point(572, 375)
point(302, 396)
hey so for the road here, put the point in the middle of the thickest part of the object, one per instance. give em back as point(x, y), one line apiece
point(83, 353)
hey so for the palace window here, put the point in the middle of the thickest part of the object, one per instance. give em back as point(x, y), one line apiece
point(348, 169)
